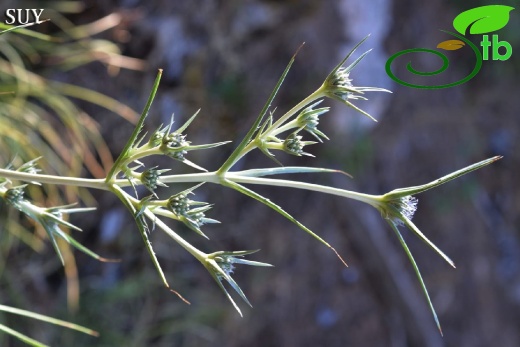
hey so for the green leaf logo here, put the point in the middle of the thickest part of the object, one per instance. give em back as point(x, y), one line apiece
point(483, 19)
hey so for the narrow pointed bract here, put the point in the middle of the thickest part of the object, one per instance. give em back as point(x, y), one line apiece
point(221, 266)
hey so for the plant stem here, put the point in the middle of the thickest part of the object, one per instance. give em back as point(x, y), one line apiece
point(141, 153)
point(185, 244)
point(366, 198)
point(101, 183)
point(50, 179)
point(198, 177)
point(211, 177)
point(314, 96)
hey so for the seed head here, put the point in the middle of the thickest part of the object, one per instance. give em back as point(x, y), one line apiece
point(308, 120)
point(293, 144)
point(406, 206)
point(14, 196)
point(174, 145)
point(179, 204)
point(150, 178)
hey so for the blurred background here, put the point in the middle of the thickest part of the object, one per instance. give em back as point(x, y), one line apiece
point(224, 57)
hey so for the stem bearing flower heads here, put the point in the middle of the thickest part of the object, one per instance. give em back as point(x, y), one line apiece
point(397, 207)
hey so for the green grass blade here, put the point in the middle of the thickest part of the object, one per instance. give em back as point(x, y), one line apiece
point(48, 319)
point(24, 338)
point(20, 30)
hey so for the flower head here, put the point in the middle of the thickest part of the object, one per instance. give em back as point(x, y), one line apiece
point(399, 206)
point(51, 219)
point(150, 178)
point(338, 84)
point(222, 264)
point(14, 196)
point(174, 143)
point(293, 144)
point(181, 207)
point(308, 120)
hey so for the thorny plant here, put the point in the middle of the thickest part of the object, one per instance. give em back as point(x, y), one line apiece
point(266, 134)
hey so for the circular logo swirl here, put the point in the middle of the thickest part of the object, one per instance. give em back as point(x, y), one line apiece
point(445, 64)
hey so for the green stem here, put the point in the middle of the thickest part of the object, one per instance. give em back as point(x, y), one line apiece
point(291, 125)
point(141, 153)
point(50, 179)
point(314, 96)
point(211, 177)
point(201, 256)
point(101, 183)
point(366, 198)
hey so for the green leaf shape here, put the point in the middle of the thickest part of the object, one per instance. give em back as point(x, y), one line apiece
point(451, 45)
point(483, 19)
point(20, 29)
